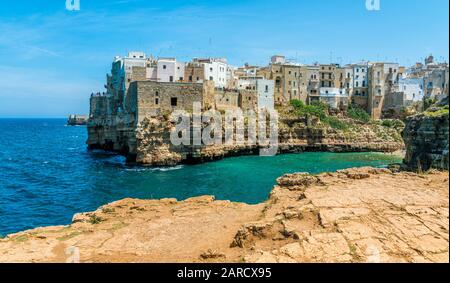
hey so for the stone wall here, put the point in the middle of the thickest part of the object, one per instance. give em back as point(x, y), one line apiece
point(248, 99)
point(225, 99)
point(151, 99)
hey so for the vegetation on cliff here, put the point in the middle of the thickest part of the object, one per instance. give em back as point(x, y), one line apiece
point(354, 124)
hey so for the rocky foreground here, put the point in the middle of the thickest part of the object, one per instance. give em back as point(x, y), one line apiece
point(354, 215)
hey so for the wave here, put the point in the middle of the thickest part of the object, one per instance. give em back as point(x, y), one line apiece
point(161, 169)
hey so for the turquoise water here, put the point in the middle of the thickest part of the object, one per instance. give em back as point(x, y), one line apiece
point(47, 175)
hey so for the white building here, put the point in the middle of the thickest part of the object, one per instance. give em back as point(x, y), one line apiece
point(333, 96)
point(412, 89)
point(265, 92)
point(215, 69)
point(360, 77)
point(169, 70)
point(278, 59)
point(263, 88)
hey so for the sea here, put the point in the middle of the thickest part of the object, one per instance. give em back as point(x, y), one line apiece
point(47, 174)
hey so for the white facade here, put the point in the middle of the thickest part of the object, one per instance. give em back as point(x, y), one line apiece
point(360, 75)
point(265, 91)
point(169, 70)
point(412, 88)
point(333, 96)
point(215, 69)
point(278, 59)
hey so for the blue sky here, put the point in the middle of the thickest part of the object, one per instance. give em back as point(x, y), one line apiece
point(51, 59)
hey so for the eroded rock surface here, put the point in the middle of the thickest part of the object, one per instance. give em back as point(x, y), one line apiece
point(354, 215)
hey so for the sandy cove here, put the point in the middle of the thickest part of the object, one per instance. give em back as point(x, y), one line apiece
point(354, 215)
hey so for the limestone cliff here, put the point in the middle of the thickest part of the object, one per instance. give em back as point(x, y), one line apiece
point(426, 137)
point(296, 134)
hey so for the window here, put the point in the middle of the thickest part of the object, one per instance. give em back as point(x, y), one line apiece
point(210, 78)
point(364, 84)
point(211, 69)
point(190, 78)
point(171, 78)
point(173, 101)
point(156, 101)
point(181, 78)
point(156, 93)
point(267, 88)
point(164, 67)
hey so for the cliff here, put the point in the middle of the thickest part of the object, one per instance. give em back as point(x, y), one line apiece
point(296, 134)
point(426, 137)
point(354, 215)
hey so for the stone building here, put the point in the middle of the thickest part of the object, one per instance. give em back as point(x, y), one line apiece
point(256, 93)
point(312, 73)
point(151, 99)
point(383, 80)
point(327, 75)
point(194, 72)
point(291, 80)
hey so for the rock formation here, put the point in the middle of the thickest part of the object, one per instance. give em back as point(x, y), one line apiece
point(426, 137)
point(296, 134)
point(353, 215)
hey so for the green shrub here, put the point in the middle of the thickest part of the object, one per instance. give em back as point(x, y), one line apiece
point(427, 102)
point(335, 123)
point(297, 104)
point(319, 110)
point(94, 219)
point(358, 113)
point(394, 124)
point(316, 108)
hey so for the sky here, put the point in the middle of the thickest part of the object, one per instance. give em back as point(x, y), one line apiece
point(51, 58)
